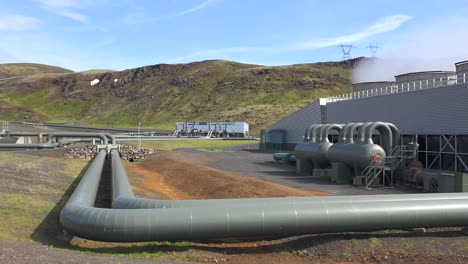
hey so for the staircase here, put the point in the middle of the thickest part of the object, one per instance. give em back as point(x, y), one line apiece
point(210, 133)
point(384, 171)
point(175, 133)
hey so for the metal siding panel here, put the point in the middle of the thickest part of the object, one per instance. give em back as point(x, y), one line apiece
point(296, 123)
point(432, 111)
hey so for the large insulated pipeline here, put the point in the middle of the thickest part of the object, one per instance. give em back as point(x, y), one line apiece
point(29, 146)
point(222, 221)
point(124, 198)
point(103, 137)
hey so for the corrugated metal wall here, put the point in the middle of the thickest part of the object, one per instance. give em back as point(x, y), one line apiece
point(296, 123)
point(434, 111)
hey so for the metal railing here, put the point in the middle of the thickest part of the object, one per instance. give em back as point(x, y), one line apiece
point(402, 88)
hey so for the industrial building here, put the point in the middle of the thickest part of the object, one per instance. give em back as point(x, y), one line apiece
point(212, 129)
point(429, 109)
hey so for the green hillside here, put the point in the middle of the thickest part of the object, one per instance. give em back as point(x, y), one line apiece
point(22, 69)
point(159, 95)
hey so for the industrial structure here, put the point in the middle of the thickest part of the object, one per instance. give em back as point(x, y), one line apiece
point(212, 129)
point(428, 108)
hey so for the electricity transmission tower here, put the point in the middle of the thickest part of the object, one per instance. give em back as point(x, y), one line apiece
point(373, 49)
point(346, 49)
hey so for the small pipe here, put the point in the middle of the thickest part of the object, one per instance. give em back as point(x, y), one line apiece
point(351, 131)
point(314, 133)
point(385, 135)
point(395, 134)
point(362, 133)
point(326, 131)
point(344, 133)
point(308, 132)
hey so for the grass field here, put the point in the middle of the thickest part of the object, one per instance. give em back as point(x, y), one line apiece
point(199, 144)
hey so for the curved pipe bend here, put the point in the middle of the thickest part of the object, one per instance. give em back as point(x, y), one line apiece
point(308, 132)
point(385, 135)
point(328, 128)
point(220, 221)
point(351, 131)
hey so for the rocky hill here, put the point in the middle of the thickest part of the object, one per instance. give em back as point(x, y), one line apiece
point(159, 95)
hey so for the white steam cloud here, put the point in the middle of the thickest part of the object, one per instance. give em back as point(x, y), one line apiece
point(429, 47)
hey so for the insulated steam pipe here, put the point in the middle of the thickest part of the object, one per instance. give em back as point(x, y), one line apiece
point(29, 146)
point(126, 225)
point(101, 136)
point(124, 198)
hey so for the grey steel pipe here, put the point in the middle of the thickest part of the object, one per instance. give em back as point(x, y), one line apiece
point(308, 132)
point(315, 135)
point(125, 225)
point(395, 134)
point(344, 133)
point(327, 129)
point(101, 136)
point(361, 138)
point(385, 135)
point(351, 131)
point(29, 146)
point(124, 198)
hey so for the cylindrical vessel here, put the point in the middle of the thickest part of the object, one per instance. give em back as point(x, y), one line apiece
point(356, 155)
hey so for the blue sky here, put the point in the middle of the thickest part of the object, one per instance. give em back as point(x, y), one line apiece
point(106, 34)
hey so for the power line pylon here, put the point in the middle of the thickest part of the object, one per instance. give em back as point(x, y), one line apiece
point(373, 49)
point(346, 49)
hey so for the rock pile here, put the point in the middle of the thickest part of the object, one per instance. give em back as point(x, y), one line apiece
point(130, 153)
point(86, 152)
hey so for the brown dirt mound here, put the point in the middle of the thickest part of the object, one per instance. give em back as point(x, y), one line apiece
point(170, 175)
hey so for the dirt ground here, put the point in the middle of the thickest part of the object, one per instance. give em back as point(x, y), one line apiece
point(174, 175)
point(179, 176)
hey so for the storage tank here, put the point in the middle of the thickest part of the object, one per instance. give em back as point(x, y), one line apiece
point(425, 79)
point(358, 156)
point(363, 86)
point(462, 71)
point(316, 150)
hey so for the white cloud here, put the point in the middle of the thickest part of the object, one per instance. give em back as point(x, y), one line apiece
point(194, 9)
point(385, 24)
point(63, 4)
point(68, 8)
point(16, 22)
point(140, 17)
point(75, 16)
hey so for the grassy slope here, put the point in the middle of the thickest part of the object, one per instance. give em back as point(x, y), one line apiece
point(204, 144)
point(160, 95)
point(20, 69)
